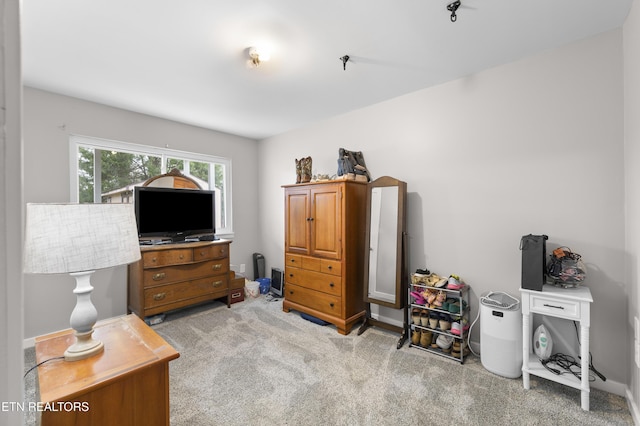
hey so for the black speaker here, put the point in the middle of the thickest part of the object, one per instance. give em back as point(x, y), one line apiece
point(534, 253)
point(258, 266)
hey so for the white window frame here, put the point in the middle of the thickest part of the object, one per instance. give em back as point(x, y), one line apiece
point(76, 141)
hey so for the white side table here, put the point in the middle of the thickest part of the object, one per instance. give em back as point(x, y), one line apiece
point(572, 304)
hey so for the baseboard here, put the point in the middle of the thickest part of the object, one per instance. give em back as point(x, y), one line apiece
point(633, 407)
point(29, 343)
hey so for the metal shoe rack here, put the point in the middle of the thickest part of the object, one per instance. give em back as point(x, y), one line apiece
point(462, 297)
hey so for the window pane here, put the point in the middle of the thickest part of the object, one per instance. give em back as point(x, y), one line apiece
point(199, 170)
point(174, 163)
point(85, 175)
point(220, 184)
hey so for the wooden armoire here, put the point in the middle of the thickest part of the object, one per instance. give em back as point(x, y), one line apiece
point(324, 251)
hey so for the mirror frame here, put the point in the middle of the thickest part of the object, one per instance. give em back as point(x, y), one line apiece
point(400, 262)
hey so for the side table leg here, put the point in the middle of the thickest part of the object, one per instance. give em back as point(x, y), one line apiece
point(584, 364)
point(526, 341)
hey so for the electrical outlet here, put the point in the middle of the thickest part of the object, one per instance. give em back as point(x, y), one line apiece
point(242, 268)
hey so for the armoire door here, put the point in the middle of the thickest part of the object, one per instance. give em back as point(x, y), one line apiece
point(326, 221)
point(297, 218)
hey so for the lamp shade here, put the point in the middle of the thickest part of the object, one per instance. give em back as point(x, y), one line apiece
point(63, 238)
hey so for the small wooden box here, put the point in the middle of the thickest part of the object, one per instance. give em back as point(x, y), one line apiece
point(236, 295)
point(236, 290)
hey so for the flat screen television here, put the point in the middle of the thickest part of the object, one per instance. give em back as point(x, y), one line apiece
point(174, 214)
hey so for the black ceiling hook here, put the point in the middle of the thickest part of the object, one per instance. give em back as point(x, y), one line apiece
point(452, 7)
point(344, 60)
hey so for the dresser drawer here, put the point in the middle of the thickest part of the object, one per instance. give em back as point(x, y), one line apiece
point(333, 267)
point(568, 309)
point(164, 295)
point(325, 283)
point(293, 260)
point(158, 276)
point(319, 301)
point(209, 252)
point(166, 257)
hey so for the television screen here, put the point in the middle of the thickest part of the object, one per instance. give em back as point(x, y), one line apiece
point(174, 213)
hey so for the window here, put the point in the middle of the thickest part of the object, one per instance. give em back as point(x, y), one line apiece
point(104, 171)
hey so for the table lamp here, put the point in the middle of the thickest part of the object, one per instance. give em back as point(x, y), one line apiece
point(78, 239)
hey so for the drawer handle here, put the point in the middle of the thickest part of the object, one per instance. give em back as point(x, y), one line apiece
point(181, 256)
point(331, 304)
point(217, 283)
point(290, 291)
point(159, 276)
point(154, 259)
point(159, 296)
point(235, 295)
point(331, 284)
point(201, 254)
point(552, 306)
point(217, 267)
point(221, 251)
point(292, 260)
point(290, 275)
point(330, 267)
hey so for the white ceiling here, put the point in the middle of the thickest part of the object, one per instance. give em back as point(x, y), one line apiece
point(186, 60)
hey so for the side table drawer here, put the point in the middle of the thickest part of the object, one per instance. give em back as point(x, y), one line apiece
point(555, 307)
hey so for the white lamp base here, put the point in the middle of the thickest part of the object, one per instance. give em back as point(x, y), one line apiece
point(83, 318)
point(85, 347)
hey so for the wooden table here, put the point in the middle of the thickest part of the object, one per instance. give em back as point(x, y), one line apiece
point(127, 384)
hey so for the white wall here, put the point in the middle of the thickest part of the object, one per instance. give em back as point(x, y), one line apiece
point(49, 119)
point(631, 37)
point(534, 146)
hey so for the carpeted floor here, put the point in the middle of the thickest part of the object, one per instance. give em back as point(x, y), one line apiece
point(256, 365)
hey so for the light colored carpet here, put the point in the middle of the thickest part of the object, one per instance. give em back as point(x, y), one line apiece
point(256, 365)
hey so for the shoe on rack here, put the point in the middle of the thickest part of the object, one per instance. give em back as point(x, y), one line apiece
point(433, 320)
point(444, 322)
point(456, 308)
point(454, 282)
point(415, 337)
point(444, 342)
point(425, 338)
point(424, 318)
point(455, 328)
point(417, 297)
point(459, 327)
point(441, 282)
point(415, 316)
point(424, 271)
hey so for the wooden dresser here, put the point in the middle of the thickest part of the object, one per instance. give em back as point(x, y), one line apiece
point(173, 276)
point(324, 251)
point(127, 384)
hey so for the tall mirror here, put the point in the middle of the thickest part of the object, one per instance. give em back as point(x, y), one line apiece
point(385, 271)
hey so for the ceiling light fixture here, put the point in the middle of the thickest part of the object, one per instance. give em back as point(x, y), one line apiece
point(452, 7)
point(257, 56)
